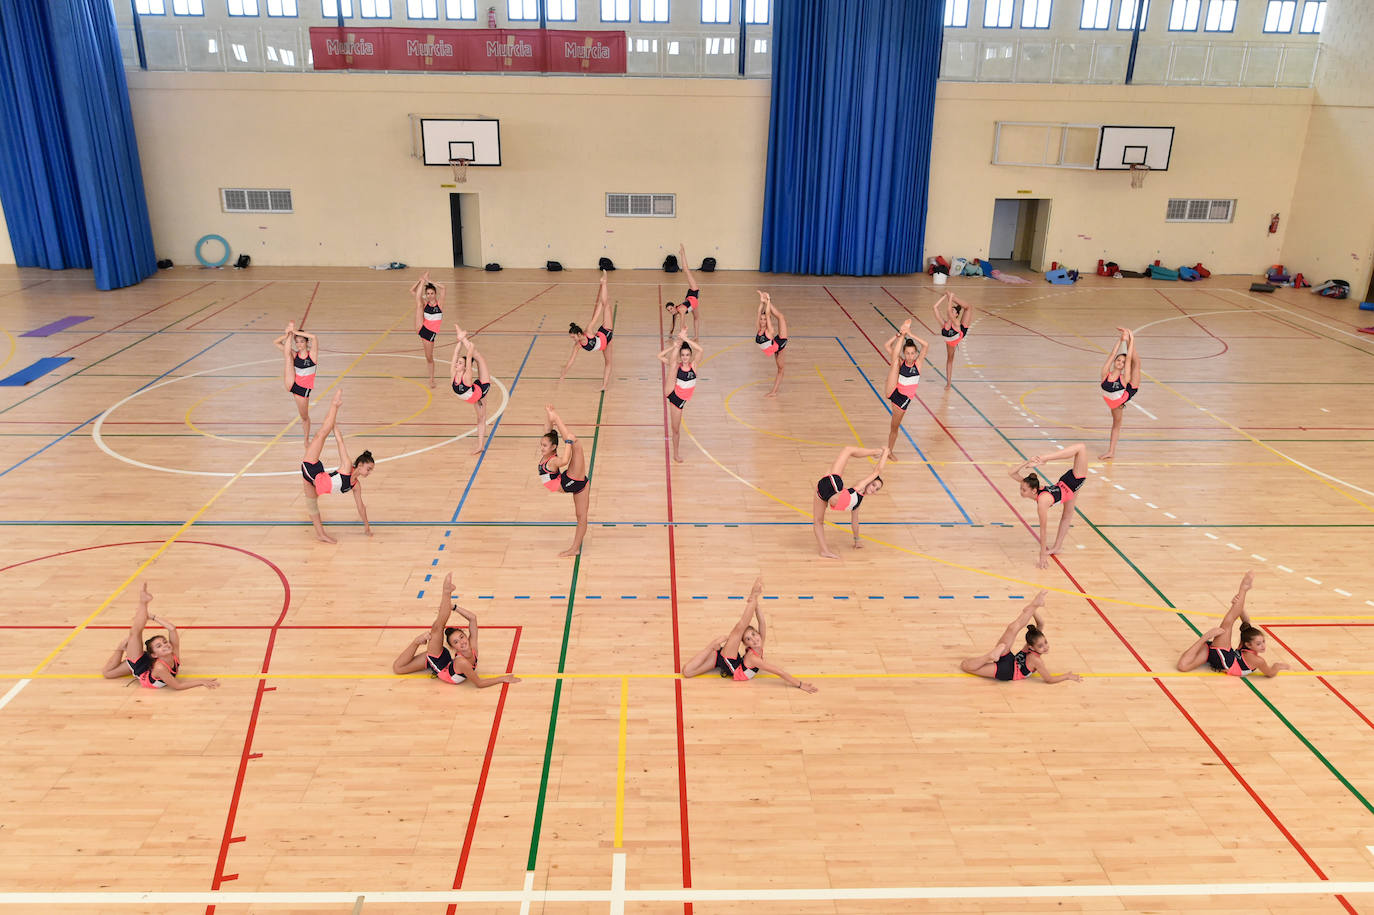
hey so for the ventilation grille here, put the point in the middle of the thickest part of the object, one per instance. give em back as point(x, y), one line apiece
point(1200, 211)
point(255, 200)
point(664, 205)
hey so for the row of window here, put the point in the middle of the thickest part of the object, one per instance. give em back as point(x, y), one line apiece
point(713, 12)
point(1184, 15)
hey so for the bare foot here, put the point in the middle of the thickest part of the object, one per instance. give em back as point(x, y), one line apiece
point(570, 552)
point(678, 458)
point(325, 538)
point(947, 384)
point(771, 394)
point(1106, 456)
point(477, 450)
point(829, 556)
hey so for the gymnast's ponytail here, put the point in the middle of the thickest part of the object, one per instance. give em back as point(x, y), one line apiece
point(1033, 635)
point(1032, 481)
point(574, 329)
point(364, 458)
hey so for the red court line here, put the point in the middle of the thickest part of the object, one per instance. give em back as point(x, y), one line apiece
point(486, 768)
point(306, 314)
point(516, 308)
point(677, 660)
point(1224, 345)
point(921, 320)
point(24, 288)
point(1126, 643)
point(227, 307)
point(135, 318)
point(1325, 682)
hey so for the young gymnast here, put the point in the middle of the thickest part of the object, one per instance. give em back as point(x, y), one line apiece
point(679, 387)
point(772, 344)
point(954, 323)
point(450, 652)
point(471, 386)
point(1120, 382)
point(347, 478)
point(600, 340)
point(1001, 664)
point(154, 662)
point(723, 654)
point(1065, 490)
point(1214, 648)
point(831, 492)
point(566, 473)
point(301, 352)
point(429, 316)
point(906, 355)
point(688, 306)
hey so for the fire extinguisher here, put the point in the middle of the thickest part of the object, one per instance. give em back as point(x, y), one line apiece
point(491, 17)
point(1274, 224)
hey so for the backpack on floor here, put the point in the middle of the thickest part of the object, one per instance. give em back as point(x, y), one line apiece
point(670, 264)
point(708, 265)
point(553, 266)
point(493, 267)
point(605, 264)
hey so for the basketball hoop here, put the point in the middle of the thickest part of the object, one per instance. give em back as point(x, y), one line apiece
point(1138, 173)
point(460, 169)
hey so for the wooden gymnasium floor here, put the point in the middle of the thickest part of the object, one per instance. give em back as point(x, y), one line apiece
point(163, 452)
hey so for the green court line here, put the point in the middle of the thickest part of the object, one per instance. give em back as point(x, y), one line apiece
point(562, 658)
point(1189, 623)
point(82, 370)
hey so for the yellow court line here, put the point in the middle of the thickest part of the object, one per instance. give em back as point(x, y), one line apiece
point(14, 344)
point(844, 415)
point(620, 764)
point(759, 429)
point(429, 401)
point(1102, 598)
point(176, 535)
point(626, 678)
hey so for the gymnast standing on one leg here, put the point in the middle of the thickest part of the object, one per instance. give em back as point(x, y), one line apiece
point(429, 316)
point(1214, 648)
point(954, 323)
point(450, 652)
point(347, 478)
point(691, 305)
point(471, 385)
point(831, 492)
point(679, 387)
point(771, 343)
point(723, 654)
point(599, 340)
point(1120, 382)
point(153, 663)
point(1001, 664)
point(565, 472)
point(1065, 490)
point(906, 355)
point(301, 352)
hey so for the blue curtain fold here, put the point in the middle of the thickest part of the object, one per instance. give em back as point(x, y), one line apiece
point(70, 180)
point(849, 136)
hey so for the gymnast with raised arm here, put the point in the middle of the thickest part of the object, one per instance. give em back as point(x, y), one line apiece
point(691, 305)
point(429, 316)
point(469, 383)
point(302, 353)
point(598, 340)
point(679, 386)
point(1214, 648)
point(954, 322)
point(347, 478)
point(833, 494)
point(566, 472)
point(906, 355)
point(722, 654)
point(1120, 382)
point(153, 663)
point(1045, 497)
point(769, 342)
point(1001, 664)
point(449, 652)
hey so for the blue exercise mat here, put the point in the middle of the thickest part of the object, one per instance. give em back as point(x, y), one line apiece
point(47, 330)
point(37, 370)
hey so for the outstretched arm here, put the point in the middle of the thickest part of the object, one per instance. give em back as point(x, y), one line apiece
point(939, 310)
point(921, 353)
point(362, 509)
point(461, 666)
point(472, 627)
point(784, 676)
point(883, 455)
point(164, 673)
point(672, 346)
point(1037, 665)
point(1111, 357)
point(850, 451)
point(1019, 472)
point(172, 635)
point(696, 347)
point(966, 315)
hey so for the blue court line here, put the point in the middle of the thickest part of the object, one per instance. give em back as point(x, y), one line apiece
point(888, 407)
point(491, 435)
point(75, 429)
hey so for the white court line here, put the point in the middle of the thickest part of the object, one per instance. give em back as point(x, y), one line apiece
point(1341, 593)
point(1258, 556)
point(1313, 580)
point(529, 885)
point(100, 421)
point(618, 883)
point(1143, 410)
point(14, 691)
point(1285, 569)
point(819, 894)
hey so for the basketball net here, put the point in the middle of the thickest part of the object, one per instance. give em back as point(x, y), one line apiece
point(1138, 173)
point(460, 170)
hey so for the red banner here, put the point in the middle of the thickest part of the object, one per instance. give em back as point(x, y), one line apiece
point(469, 50)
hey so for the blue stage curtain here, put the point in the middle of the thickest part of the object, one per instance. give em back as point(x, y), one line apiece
point(849, 136)
point(70, 181)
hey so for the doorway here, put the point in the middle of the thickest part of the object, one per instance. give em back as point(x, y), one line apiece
point(465, 225)
point(1018, 230)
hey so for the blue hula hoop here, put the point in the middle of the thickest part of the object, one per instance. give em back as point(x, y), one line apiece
point(219, 263)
